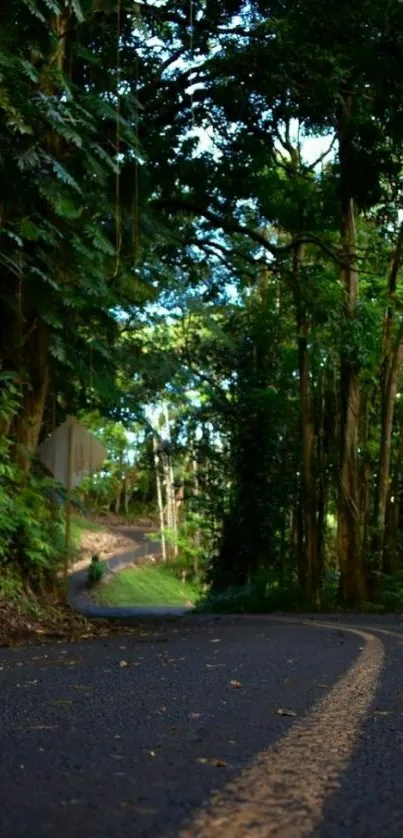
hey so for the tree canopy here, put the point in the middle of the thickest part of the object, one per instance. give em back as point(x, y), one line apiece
point(201, 220)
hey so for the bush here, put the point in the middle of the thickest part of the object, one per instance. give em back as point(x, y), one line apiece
point(392, 592)
point(11, 587)
point(96, 571)
point(261, 596)
point(31, 535)
point(192, 558)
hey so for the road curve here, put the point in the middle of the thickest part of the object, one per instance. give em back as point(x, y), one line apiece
point(78, 596)
point(213, 728)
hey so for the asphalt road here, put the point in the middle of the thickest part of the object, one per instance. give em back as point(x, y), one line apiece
point(206, 729)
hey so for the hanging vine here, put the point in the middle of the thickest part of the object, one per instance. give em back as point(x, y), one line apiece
point(118, 219)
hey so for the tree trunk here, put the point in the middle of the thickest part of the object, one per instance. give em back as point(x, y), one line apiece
point(126, 495)
point(392, 516)
point(118, 499)
point(352, 585)
point(170, 490)
point(321, 467)
point(391, 368)
point(391, 536)
point(365, 480)
point(159, 498)
point(388, 409)
point(308, 437)
point(196, 494)
point(34, 373)
point(298, 537)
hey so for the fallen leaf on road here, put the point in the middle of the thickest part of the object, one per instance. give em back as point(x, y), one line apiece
point(285, 712)
point(122, 664)
point(194, 715)
point(216, 763)
point(236, 685)
point(381, 713)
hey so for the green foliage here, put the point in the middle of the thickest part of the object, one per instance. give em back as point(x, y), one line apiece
point(31, 543)
point(58, 226)
point(266, 593)
point(391, 599)
point(110, 205)
point(96, 571)
point(193, 558)
point(11, 585)
point(261, 596)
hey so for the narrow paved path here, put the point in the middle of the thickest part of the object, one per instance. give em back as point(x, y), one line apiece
point(80, 600)
point(213, 728)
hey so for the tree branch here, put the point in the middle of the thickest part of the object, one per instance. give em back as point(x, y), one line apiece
point(322, 156)
point(178, 205)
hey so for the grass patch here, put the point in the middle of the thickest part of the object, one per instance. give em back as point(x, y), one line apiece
point(148, 585)
point(80, 525)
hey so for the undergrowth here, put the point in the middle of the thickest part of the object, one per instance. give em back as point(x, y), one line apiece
point(31, 525)
point(96, 571)
point(264, 596)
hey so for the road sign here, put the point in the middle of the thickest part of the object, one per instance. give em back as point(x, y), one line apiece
point(71, 453)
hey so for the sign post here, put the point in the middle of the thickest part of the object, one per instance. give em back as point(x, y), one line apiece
point(68, 508)
point(70, 454)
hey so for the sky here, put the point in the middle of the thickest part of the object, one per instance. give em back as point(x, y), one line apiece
point(312, 147)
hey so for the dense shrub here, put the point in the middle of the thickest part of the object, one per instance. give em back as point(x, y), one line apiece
point(96, 571)
point(31, 532)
